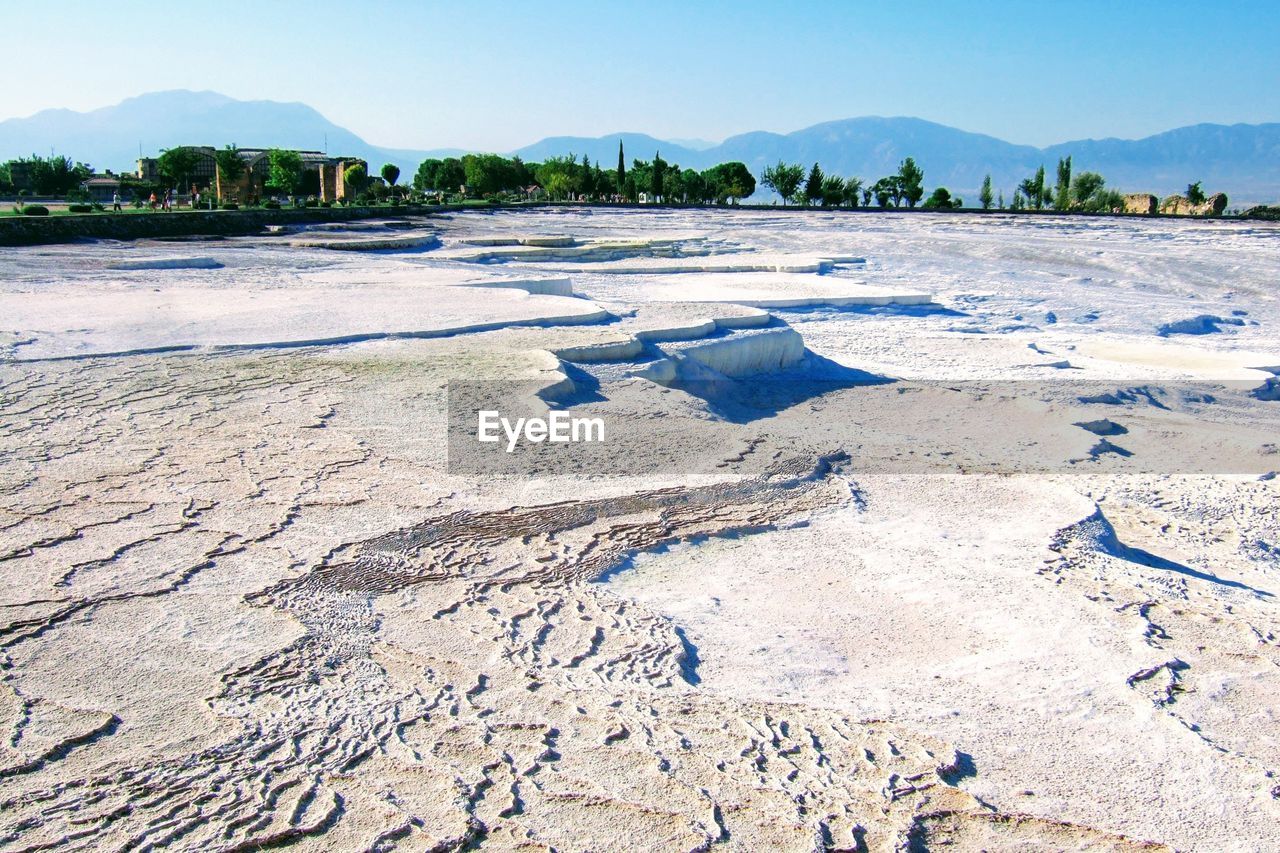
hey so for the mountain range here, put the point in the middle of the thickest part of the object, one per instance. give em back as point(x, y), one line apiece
point(1242, 160)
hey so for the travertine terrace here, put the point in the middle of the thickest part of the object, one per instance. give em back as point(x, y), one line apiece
point(248, 599)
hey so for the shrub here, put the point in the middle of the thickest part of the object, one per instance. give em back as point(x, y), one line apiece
point(326, 204)
point(231, 205)
point(271, 205)
point(35, 210)
point(80, 208)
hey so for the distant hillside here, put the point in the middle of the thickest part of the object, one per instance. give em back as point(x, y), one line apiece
point(638, 146)
point(110, 138)
point(1242, 160)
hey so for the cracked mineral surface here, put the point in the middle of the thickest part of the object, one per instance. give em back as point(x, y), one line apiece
point(916, 531)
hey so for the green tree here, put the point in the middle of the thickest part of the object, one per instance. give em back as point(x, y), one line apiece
point(866, 196)
point(522, 173)
point(784, 179)
point(426, 176)
point(1195, 194)
point(559, 184)
point(941, 199)
point(1000, 201)
point(451, 175)
point(693, 186)
point(656, 176)
point(732, 180)
point(284, 171)
point(852, 187)
point(622, 171)
point(390, 173)
point(673, 185)
point(911, 178)
point(55, 174)
point(985, 195)
point(832, 191)
point(1026, 192)
point(1084, 187)
point(487, 174)
point(1107, 201)
point(886, 190)
point(230, 167)
point(568, 170)
point(356, 176)
point(1062, 195)
point(813, 185)
point(640, 176)
point(586, 178)
point(1033, 189)
point(178, 165)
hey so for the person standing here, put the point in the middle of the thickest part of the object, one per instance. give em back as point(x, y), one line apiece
point(115, 201)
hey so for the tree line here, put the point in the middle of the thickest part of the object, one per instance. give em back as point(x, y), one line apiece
point(568, 177)
point(572, 178)
point(1085, 192)
point(656, 180)
point(54, 175)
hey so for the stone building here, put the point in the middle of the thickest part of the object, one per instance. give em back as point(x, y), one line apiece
point(101, 188)
point(257, 171)
point(1177, 205)
point(333, 183)
point(1143, 203)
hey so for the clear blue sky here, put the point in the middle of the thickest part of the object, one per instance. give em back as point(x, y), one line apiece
point(499, 75)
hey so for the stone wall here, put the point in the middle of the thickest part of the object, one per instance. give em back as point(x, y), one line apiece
point(1143, 203)
point(34, 230)
point(1176, 205)
point(333, 183)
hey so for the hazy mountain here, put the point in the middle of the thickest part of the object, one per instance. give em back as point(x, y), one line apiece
point(111, 137)
point(694, 144)
point(1241, 160)
point(872, 147)
point(638, 146)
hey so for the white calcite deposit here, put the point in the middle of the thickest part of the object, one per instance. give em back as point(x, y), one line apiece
point(911, 532)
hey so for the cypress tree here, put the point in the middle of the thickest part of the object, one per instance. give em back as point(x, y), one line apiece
point(813, 186)
point(1063, 196)
point(622, 171)
point(659, 172)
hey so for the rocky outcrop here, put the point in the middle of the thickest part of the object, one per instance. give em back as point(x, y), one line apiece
point(1270, 214)
point(1143, 203)
point(1176, 205)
